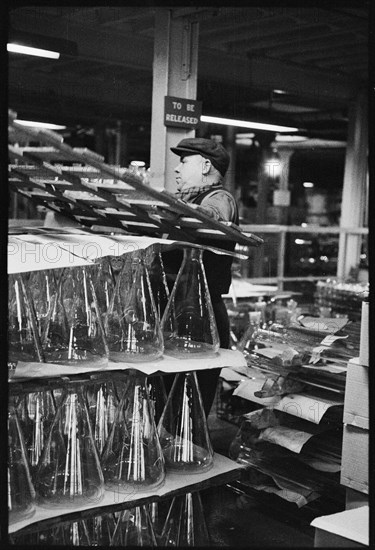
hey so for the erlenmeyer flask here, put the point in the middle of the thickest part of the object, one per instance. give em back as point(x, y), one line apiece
point(36, 412)
point(69, 470)
point(132, 458)
point(182, 428)
point(153, 511)
point(134, 528)
point(68, 533)
point(104, 283)
point(93, 531)
point(44, 287)
point(21, 493)
point(185, 524)
point(23, 337)
point(158, 279)
point(157, 394)
point(132, 326)
point(188, 322)
point(102, 401)
point(75, 332)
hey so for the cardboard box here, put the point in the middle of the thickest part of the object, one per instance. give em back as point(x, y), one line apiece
point(348, 529)
point(355, 458)
point(356, 403)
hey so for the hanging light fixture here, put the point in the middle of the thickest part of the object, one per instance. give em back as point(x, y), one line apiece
point(247, 124)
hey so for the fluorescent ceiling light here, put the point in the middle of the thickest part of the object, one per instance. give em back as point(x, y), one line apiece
point(308, 184)
point(247, 124)
point(27, 50)
point(34, 124)
point(285, 138)
point(245, 135)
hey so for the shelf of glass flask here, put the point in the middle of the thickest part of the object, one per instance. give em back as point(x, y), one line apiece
point(224, 471)
point(224, 358)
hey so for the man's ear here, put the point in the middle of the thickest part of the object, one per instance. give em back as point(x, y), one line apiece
point(206, 166)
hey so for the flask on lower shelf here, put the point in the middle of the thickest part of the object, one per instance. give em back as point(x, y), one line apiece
point(188, 322)
point(182, 428)
point(132, 458)
point(21, 492)
point(102, 400)
point(134, 528)
point(132, 325)
point(158, 395)
point(185, 524)
point(92, 531)
point(69, 472)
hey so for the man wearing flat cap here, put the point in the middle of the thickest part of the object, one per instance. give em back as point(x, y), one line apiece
point(199, 175)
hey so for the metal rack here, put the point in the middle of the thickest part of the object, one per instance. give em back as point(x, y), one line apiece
point(102, 198)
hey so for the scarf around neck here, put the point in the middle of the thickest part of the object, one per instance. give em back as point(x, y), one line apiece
point(194, 192)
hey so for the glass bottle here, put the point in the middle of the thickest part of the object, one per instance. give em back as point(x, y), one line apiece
point(246, 344)
point(21, 492)
point(23, 337)
point(188, 323)
point(182, 428)
point(132, 325)
point(75, 330)
point(185, 524)
point(132, 458)
point(134, 528)
point(69, 472)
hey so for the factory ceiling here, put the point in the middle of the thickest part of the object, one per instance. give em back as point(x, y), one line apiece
point(302, 66)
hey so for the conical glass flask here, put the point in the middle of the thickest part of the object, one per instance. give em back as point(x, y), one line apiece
point(93, 531)
point(132, 326)
point(75, 330)
point(182, 428)
point(134, 528)
point(44, 286)
point(68, 533)
point(102, 401)
point(154, 513)
point(158, 279)
point(157, 394)
point(103, 279)
point(132, 458)
point(36, 412)
point(69, 472)
point(21, 493)
point(188, 323)
point(23, 337)
point(185, 524)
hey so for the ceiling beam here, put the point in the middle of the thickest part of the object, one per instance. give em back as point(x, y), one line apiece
point(300, 36)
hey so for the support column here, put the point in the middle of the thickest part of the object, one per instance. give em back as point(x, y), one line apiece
point(353, 206)
point(174, 74)
point(230, 145)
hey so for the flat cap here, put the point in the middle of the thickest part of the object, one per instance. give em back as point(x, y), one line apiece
point(207, 148)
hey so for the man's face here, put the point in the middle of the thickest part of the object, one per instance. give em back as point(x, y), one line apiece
point(189, 172)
